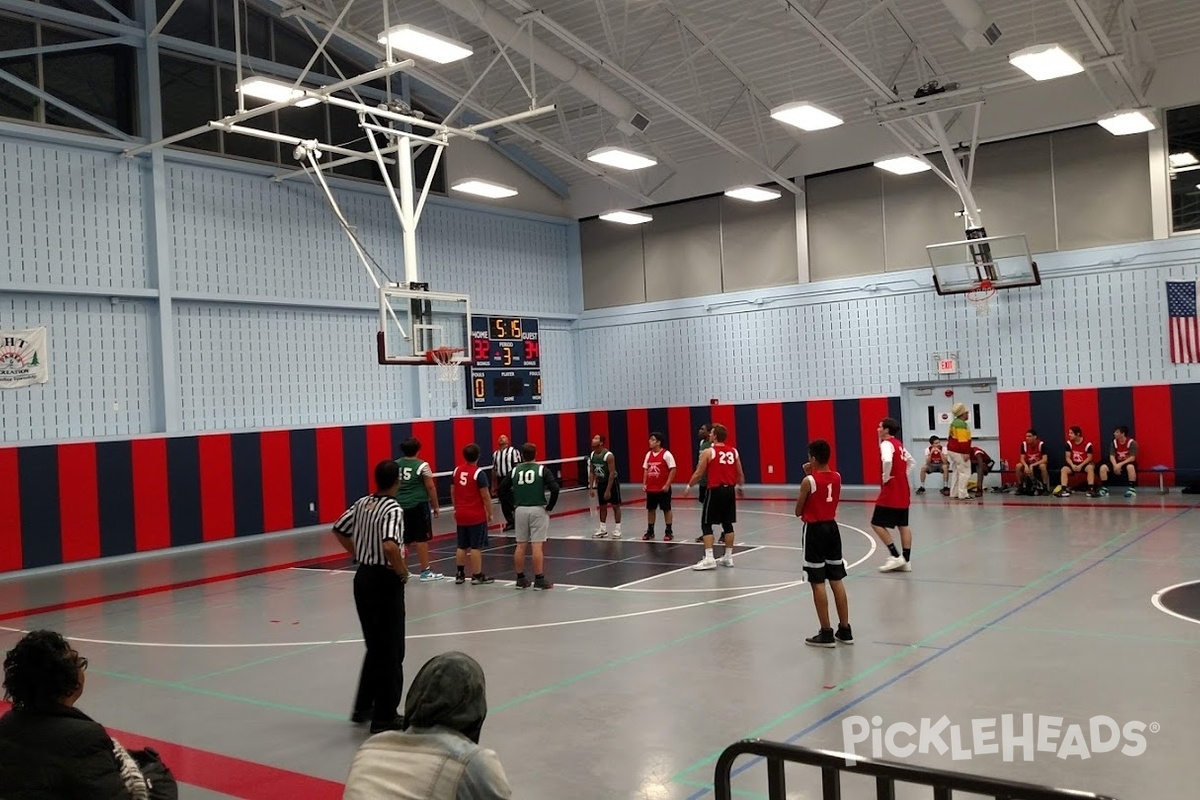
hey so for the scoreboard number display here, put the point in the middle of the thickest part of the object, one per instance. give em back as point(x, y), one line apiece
point(506, 363)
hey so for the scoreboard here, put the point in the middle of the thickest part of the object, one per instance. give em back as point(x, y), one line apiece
point(506, 363)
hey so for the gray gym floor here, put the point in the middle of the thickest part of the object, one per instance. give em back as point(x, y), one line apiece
point(631, 675)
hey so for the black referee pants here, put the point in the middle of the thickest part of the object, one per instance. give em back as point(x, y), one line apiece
point(379, 599)
point(508, 506)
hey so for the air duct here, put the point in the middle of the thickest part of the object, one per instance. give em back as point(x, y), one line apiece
point(976, 30)
point(632, 119)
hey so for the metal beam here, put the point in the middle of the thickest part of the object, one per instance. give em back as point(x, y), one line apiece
point(162, 22)
point(71, 18)
point(64, 105)
point(117, 15)
point(1095, 32)
point(651, 93)
point(67, 47)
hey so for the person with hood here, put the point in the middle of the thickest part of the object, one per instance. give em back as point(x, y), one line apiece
point(436, 756)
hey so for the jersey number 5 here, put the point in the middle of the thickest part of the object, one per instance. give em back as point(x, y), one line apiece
point(406, 473)
point(462, 479)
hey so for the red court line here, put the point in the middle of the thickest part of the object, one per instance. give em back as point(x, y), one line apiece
point(209, 579)
point(227, 775)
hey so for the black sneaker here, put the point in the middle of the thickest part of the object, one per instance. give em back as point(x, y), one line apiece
point(481, 578)
point(921, 490)
point(461, 579)
point(647, 536)
point(824, 638)
point(844, 634)
point(541, 584)
point(394, 724)
point(668, 537)
point(522, 583)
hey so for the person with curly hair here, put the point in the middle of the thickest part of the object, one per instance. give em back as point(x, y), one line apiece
point(48, 748)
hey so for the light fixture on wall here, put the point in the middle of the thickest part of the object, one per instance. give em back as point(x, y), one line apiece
point(626, 217)
point(805, 116)
point(274, 91)
point(424, 44)
point(903, 165)
point(1179, 160)
point(1044, 62)
point(754, 194)
point(621, 158)
point(483, 188)
point(1123, 123)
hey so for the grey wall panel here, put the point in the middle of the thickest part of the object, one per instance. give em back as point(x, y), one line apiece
point(918, 210)
point(1013, 186)
point(683, 250)
point(758, 243)
point(1103, 187)
point(613, 264)
point(845, 223)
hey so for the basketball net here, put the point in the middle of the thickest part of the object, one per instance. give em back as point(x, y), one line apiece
point(981, 298)
point(443, 357)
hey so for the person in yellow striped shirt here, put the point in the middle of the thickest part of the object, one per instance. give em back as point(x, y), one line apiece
point(958, 450)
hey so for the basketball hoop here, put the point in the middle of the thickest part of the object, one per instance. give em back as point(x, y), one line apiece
point(981, 297)
point(443, 357)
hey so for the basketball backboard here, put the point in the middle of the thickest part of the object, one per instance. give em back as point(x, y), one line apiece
point(413, 322)
point(1004, 261)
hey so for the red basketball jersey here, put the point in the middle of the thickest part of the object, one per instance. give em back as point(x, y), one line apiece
point(658, 466)
point(822, 503)
point(1032, 453)
point(468, 502)
point(935, 454)
point(722, 468)
point(895, 493)
point(1079, 452)
point(1121, 451)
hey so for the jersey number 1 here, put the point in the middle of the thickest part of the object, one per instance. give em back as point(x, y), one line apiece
point(829, 493)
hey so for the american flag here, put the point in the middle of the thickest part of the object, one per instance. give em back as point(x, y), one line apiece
point(1184, 328)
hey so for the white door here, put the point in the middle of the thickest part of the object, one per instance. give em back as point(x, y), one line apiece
point(927, 413)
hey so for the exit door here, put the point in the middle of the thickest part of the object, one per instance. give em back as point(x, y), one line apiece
point(927, 413)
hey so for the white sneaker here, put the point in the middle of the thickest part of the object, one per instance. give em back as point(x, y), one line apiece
point(706, 563)
point(726, 561)
point(894, 564)
point(600, 534)
point(616, 534)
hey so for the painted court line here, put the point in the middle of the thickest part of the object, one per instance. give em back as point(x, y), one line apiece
point(929, 659)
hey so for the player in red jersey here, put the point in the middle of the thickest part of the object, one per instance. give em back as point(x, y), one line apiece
point(658, 475)
point(1080, 458)
point(1034, 461)
point(723, 466)
point(983, 467)
point(1123, 461)
point(935, 461)
point(469, 489)
point(820, 492)
point(891, 508)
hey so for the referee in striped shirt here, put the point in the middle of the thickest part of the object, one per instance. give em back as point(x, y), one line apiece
point(504, 461)
point(371, 530)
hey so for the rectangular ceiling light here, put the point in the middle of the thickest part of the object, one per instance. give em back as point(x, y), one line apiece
point(626, 217)
point(274, 91)
point(805, 116)
point(424, 44)
point(1124, 123)
point(484, 188)
point(755, 194)
point(903, 165)
point(620, 158)
point(1045, 62)
point(1182, 160)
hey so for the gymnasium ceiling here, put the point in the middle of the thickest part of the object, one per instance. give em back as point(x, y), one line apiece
point(707, 72)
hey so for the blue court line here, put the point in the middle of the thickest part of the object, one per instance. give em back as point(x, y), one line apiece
point(896, 678)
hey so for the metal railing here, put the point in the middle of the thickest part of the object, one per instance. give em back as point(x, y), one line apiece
point(886, 774)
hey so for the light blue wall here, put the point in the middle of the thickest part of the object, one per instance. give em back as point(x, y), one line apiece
point(1098, 319)
point(274, 316)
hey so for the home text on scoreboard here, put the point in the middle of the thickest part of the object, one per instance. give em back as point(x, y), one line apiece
point(506, 364)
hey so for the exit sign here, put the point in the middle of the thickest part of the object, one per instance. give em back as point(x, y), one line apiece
point(947, 366)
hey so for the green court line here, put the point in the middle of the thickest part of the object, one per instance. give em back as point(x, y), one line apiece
point(220, 695)
point(759, 731)
point(1097, 635)
point(732, 790)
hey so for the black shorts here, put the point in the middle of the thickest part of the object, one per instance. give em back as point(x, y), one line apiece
point(472, 537)
point(886, 517)
point(614, 498)
point(703, 493)
point(657, 500)
point(720, 508)
point(823, 552)
point(418, 524)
